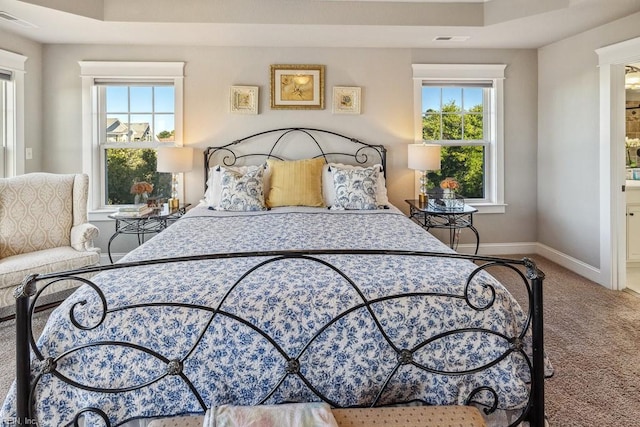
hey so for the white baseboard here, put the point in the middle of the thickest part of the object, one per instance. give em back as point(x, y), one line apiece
point(570, 263)
point(523, 248)
point(520, 248)
point(104, 258)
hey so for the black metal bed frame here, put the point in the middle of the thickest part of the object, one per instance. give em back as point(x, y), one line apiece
point(229, 157)
point(26, 296)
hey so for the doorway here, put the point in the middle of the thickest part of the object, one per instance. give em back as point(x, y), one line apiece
point(612, 204)
point(632, 185)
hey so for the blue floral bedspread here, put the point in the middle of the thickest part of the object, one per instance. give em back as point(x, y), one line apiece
point(273, 339)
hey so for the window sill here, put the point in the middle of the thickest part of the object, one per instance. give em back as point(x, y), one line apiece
point(489, 208)
point(100, 215)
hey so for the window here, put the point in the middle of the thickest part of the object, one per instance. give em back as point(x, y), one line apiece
point(11, 113)
point(135, 108)
point(133, 120)
point(5, 78)
point(453, 116)
point(460, 108)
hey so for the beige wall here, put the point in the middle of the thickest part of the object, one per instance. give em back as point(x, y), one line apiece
point(387, 112)
point(520, 139)
point(32, 93)
point(568, 140)
point(551, 118)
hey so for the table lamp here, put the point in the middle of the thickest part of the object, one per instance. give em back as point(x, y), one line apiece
point(174, 160)
point(424, 158)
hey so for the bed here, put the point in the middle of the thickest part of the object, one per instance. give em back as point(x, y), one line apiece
point(355, 306)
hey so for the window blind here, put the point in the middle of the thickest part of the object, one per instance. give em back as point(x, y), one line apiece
point(5, 75)
point(453, 83)
point(136, 82)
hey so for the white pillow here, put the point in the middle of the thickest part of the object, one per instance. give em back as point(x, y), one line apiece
point(214, 182)
point(329, 191)
point(355, 188)
point(242, 192)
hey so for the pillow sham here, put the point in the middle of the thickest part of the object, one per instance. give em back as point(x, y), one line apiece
point(212, 194)
point(329, 192)
point(241, 192)
point(295, 182)
point(355, 188)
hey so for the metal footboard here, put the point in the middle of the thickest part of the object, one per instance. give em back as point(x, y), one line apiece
point(27, 351)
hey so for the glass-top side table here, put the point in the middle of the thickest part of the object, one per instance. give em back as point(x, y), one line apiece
point(453, 218)
point(152, 222)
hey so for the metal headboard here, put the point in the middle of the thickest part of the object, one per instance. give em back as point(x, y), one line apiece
point(352, 149)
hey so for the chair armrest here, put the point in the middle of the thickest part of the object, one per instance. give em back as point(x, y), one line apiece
point(82, 236)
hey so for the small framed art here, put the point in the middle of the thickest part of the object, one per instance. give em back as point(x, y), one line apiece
point(346, 100)
point(297, 87)
point(243, 99)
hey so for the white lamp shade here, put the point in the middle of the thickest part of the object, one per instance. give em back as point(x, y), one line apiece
point(175, 159)
point(424, 157)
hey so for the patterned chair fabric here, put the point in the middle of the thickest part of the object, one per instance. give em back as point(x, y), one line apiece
point(43, 228)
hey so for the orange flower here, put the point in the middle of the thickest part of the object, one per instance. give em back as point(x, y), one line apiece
point(449, 183)
point(141, 187)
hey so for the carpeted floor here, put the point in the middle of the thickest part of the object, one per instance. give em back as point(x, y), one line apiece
point(8, 349)
point(592, 337)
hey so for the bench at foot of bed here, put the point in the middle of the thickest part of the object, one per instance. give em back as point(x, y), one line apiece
point(422, 416)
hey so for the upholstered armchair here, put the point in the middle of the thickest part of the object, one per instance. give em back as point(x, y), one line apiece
point(43, 229)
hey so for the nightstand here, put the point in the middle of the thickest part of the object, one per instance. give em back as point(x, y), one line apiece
point(153, 222)
point(433, 215)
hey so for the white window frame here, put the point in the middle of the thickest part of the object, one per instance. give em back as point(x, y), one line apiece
point(140, 72)
point(494, 152)
point(12, 154)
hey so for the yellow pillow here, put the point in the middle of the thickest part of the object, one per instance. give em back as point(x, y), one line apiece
point(295, 183)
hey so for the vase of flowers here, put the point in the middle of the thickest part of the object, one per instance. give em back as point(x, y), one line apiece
point(449, 187)
point(141, 191)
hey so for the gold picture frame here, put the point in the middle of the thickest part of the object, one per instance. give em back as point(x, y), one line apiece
point(346, 100)
point(243, 99)
point(297, 87)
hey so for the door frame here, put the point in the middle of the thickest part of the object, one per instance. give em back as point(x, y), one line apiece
point(611, 61)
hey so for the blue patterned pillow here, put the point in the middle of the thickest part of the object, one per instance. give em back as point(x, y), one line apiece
point(355, 188)
point(242, 192)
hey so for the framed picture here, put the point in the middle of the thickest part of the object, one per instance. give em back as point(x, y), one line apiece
point(346, 100)
point(243, 99)
point(296, 87)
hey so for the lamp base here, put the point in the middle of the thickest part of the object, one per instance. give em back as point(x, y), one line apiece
point(174, 203)
point(423, 198)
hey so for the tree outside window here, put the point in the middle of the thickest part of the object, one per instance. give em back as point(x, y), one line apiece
point(455, 118)
point(137, 120)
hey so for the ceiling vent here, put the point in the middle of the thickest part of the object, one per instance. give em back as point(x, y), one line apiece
point(451, 38)
point(15, 20)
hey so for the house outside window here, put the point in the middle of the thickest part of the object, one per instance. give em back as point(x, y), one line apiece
point(459, 106)
point(12, 149)
point(135, 108)
point(136, 119)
